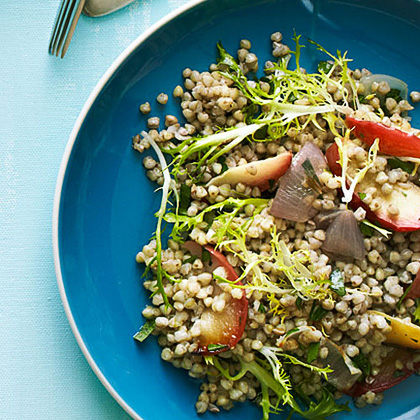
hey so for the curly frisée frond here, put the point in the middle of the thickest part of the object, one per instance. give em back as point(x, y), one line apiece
point(295, 93)
point(223, 212)
point(349, 183)
point(206, 150)
point(160, 272)
point(296, 268)
point(273, 353)
point(277, 390)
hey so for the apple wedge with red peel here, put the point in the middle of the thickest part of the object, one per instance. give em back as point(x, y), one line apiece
point(414, 292)
point(407, 200)
point(256, 174)
point(392, 141)
point(220, 331)
point(388, 375)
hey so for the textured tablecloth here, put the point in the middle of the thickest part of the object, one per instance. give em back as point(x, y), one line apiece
point(43, 374)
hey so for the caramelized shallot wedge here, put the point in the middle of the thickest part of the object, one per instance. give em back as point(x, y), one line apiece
point(345, 373)
point(394, 83)
point(343, 237)
point(220, 331)
point(324, 218)
point(299, 186)
point(256, 174)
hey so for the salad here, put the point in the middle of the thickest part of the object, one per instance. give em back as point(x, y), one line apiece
point(291, 272)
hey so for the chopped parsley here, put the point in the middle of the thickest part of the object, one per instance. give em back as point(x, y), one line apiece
point(395, 163)
point(313, 351)
point(184, 199)
point(317, 312)
point(337, 282)
point(325, 66)
point(362, 362)
point(205, 256)
point(145, 330)
point(215, 347)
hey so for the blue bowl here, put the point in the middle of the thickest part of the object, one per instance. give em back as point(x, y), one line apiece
point(104, 203)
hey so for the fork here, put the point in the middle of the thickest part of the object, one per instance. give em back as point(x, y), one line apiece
point(65, 25)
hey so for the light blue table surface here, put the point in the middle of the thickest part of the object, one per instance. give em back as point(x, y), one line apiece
point(43, 374)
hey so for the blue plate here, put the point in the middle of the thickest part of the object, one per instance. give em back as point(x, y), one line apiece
point(104, 203)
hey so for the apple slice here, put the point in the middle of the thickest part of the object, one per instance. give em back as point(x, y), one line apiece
point(402, 334)
point(414, 292)
point(220, 331)
point(392, 141)
point(388, 375)
point(407, 200)
point(256, 174)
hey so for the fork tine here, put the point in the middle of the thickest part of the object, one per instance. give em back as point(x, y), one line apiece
point(56, 27)
point(72, 28)
point(60, 25)
point(65, 27)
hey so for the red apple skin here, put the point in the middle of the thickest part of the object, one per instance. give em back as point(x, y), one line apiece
point(409, 218)
point(386, 378)
point(392, 141)
point(224, 328)
point(414, 292)
point(256, 174)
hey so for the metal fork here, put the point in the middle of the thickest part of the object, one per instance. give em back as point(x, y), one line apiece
point(65, 25)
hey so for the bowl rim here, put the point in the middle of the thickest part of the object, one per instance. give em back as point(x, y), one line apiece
point(59, 185)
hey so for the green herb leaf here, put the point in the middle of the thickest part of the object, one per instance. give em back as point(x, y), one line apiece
point(205, 256)
point(402, 298)
point(311, 174)
point(222, 161)
point(317, 312)
point(209, 218)
point(394, 94)
point(362, 99)
point(362, 362)
point(145, 330)
point(396, 163)
point(261, 133)
point(337, 282)
point(293, 330)
point(362, 196)
point(190, 259)
point(291, 97)
point(184, 199)
point(398, 374)
point(299, 302)
point(324, 67)
point(313, 351)
point(262, 309)
point(215, 347)
point(416, 313)
point(366, 230)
